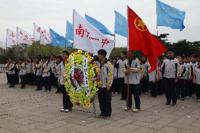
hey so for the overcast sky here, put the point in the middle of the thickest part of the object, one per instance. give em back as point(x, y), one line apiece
point(54, 13)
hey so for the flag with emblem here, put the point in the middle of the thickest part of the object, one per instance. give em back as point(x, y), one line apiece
point(88, 38)
point(11, 38)
point(140, 39)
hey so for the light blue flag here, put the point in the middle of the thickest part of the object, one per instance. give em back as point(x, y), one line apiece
point(56, 39)
point(121, 25)
point(169, 16)
point(98, 25)
point(69, 34)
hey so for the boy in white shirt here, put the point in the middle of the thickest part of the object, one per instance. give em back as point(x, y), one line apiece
point(121, 66)
point(169, 71)
point(132, 78)
point(104, 93)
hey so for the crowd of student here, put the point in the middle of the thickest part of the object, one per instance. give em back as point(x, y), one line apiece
point(178, 77)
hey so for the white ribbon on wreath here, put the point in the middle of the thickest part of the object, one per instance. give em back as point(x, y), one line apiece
point(85, 73)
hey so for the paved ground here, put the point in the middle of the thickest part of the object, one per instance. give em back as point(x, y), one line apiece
point(28, 111)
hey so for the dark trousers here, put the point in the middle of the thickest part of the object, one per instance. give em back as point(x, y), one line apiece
point(133, 89)
point(23, 81)
point(160, 87)
point(170, 90)
point(153, 89)
point(53, 79)
point(57, 86)
point(188, 88)
point(38, 80)
point(28, 78)
point(104, 97)
point(198, 92)
point(16, 78)
point(144, 84)
point(181, 88)
point(47, 83)
point(114, 86)
point(8, 78)
point(12, 80)
point(122, 88)
point(66, 99)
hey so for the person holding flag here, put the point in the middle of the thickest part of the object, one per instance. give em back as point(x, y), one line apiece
point(140, 39)
point(132, 79)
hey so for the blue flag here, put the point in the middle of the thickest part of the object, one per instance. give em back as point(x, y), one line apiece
point(98, 25)
point(169, 16)
point(56, 39)
point(121, 25)
point(69, 34)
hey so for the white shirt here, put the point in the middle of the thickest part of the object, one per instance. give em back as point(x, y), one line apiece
point(11, 69)
point(197, 75)
point(29, 68)
point(61, 73)
point(22, 69)
point(46, 70)
point(121, 68)
point(181, 74)
point(170, 68)
point(114, 72)
point(188, 67)
point(133, 77)
point(104, 75)
point(38, 69)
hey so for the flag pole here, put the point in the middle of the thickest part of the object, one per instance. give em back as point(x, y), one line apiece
point(17, 35)
point(127, 87)
point(114, 41)
point(73, 28)
point(157, 31)
point(6, 38)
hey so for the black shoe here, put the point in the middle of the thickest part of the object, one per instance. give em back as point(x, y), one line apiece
point(167, 103)
point(173, 104)
point(11, 86)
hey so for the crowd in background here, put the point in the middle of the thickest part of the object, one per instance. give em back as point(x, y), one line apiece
point(176, 77)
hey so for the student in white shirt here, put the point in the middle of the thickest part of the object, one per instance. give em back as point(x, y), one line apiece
point(11, 73)
point(181, 75)
point(22, 73)
point(38, 74)
point(188, 80)
point(132, 78)
point(144, 76)
point(46, 74)
point(115, 84)
point(120, 74)
point(67, 105)
point(104, 93)
point(169, 71)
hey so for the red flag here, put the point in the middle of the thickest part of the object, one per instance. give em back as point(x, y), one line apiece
point(141, 39)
